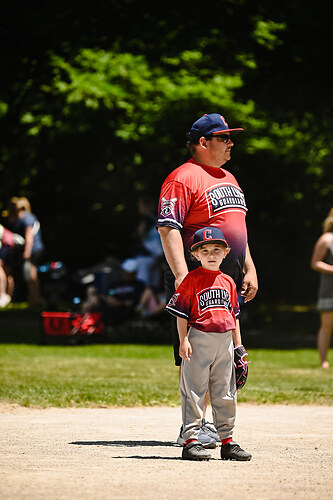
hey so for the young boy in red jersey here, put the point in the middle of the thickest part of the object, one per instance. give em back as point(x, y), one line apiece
point(206, 301)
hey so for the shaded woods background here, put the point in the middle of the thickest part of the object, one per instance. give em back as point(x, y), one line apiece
point(96, 97)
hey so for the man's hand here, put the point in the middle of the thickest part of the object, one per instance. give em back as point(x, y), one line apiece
point(185, 349)
point(250, 286)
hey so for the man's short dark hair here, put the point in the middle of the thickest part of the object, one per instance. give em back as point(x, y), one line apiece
point(190, 144)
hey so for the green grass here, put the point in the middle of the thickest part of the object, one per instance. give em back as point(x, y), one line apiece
point(287, 377)
point(95, 375)
point(133, 375)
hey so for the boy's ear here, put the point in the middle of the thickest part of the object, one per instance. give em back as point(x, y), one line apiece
point(227, 250)
point(195, 255)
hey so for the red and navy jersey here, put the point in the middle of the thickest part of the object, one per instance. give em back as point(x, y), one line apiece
point(195, 196)
point(207, 300)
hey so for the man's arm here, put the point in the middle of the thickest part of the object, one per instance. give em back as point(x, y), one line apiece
point(250, 282)
point(173, 248)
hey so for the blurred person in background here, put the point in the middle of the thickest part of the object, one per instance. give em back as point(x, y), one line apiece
point(5, 298)
point(23, 222)
point(147, 246)
point(322, 262)
point(122, 298)
point(8, 243)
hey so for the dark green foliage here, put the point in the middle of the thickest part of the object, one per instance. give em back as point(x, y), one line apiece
point(96, 98)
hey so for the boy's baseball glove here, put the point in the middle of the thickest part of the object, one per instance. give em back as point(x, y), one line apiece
point(241, 367)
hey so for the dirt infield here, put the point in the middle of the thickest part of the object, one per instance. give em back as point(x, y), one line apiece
point(131, 454)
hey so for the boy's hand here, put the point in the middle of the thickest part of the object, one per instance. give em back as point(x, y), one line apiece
point(185, 349)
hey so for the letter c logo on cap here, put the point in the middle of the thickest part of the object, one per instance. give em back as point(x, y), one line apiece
point(207, 234)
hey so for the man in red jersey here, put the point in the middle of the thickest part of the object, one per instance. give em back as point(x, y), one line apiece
point(201, 193)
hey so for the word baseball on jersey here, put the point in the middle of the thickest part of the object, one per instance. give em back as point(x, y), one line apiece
point(207, 299)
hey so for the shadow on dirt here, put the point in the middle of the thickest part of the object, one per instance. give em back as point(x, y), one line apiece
point(126, 444)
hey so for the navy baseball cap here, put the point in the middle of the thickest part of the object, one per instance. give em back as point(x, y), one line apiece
point(211, 124)
point(207, 236)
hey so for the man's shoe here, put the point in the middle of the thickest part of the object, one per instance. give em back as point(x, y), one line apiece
point(204, 438)
point(195, 451)
point(210, 430)
point(232, 451)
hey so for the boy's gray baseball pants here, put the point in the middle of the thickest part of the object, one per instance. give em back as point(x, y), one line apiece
point(211, 366)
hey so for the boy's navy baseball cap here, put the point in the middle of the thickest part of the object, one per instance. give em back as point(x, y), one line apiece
point(211, 124)
point(207, 236)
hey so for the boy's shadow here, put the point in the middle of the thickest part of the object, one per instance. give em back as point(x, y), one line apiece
point(128, 444)
point(133, 444)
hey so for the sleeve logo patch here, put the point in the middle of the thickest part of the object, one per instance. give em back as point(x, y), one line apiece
point(167, 206)
point(173, 300)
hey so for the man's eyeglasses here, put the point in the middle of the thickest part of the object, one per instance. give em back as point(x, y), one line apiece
point(221, 138)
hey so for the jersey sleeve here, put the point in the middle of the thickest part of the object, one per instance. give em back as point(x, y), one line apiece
point(180, 303)
point(174, 204)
